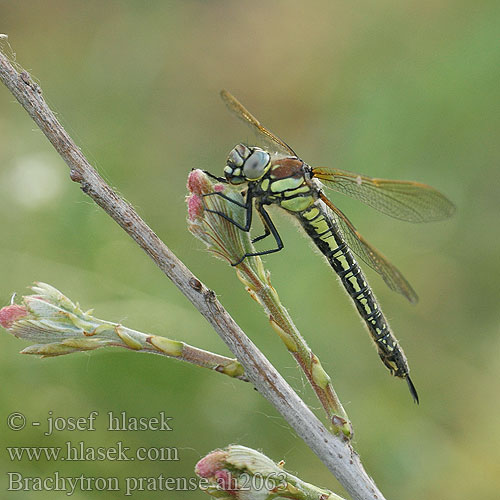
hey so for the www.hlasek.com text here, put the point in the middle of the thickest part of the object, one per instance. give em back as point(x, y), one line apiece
point(79, 452)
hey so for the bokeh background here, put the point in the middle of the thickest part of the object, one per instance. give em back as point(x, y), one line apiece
point(405, 90)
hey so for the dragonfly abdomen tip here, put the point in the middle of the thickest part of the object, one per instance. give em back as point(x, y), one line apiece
point(413, 391)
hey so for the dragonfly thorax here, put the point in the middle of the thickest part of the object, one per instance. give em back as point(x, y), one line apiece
point(246, 164)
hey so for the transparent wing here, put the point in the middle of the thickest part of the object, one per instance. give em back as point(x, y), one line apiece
point(405, 200)
point(372, 257)
point(274, 143)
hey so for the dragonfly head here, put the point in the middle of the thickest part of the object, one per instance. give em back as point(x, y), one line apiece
point(246, 164)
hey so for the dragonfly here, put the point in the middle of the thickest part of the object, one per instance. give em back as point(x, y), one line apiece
point(273, 174)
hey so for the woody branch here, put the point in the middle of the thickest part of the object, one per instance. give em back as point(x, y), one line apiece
point(333, 451)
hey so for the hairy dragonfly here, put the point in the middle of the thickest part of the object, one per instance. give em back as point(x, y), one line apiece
point(273, 174)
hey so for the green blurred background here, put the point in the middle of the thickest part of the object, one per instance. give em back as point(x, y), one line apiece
point(405, 90)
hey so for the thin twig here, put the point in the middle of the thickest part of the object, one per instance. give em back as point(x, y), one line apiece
point(209, 216)
point(59, 326)
point(334, 452)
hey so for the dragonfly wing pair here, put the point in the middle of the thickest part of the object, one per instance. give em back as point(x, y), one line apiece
point(404, 200)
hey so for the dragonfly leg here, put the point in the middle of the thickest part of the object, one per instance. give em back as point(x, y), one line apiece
point(226, 197)
point(269, 225)
point(247, 206)
point(212, 176)
point(267, 231)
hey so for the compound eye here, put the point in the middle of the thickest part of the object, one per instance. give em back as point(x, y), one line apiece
point(255, 164)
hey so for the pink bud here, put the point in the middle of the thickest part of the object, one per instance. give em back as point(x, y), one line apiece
point(195, 206)
point(198, 182)
point(208, 466)
point(10, 314)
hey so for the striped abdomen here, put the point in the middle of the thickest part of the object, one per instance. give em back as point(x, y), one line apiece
point(325, 233)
